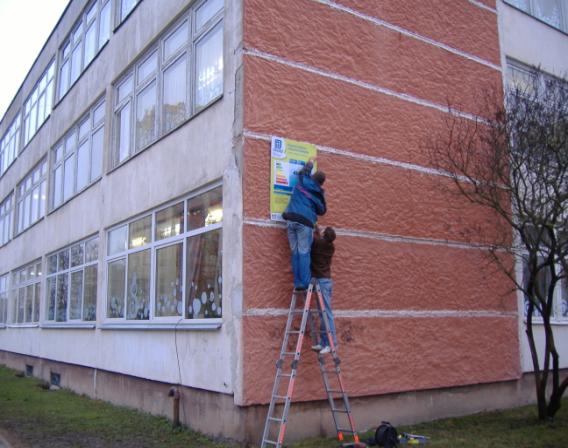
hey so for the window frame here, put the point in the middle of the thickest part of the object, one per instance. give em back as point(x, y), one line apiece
point(57, 163)
point(32, 104)
point(22, 193)
point(130, 101)
point(68, 272)
point(78, 37)
point(4, 298)
point(119, 19)
point(18, 285)
point(7, 208)
point(153, 321)
point(10, 144)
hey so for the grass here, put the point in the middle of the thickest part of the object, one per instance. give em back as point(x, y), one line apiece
point(41, 418)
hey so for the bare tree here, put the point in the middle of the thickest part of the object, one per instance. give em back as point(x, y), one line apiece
point(512, 159)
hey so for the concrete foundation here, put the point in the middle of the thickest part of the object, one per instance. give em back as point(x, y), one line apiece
point(216, 415)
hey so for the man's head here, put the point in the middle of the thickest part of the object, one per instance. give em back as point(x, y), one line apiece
point(319, 177)
point(329, 234)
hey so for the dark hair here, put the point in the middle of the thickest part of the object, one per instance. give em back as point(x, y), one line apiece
point(329, 234)
point(319, 177)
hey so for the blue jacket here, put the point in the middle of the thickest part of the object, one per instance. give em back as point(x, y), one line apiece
point(307, 200)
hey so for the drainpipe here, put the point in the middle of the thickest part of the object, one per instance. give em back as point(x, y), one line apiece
point(174, 392)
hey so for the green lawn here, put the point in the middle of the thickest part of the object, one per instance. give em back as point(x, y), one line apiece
point(43, 418)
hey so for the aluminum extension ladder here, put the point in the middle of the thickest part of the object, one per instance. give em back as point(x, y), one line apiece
point(286, 371)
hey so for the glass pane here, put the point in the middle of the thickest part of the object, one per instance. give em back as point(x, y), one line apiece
point(126, 6)
point(37, 296)
point(169, 267)
point(104, 24)
point(175, 94)
point(69, 177)
point(204, 281)
point(90, 43)
point(117, 240)
point(124, 135)
point(207, 11)
point(116, 288)
point(90, 294)
point(83, 165)
point(76, 295)
point(209, 67)
point(84, 129)
point(58, 186)
point(97, 154)
point(39, 271)
point(176, 40)
point(75, 63)
point(169, 222)
point(43, 196)
point(205, 209)
point(92, 12)
point(148, 67)
point(548, 11)
point(63, 260)
point(51, 290)
point(146, 116)
point(99, 113)
point(140, 232)
point(61, 300)
point(77, 255)
point(35, 204)
point(29, 304)
point(138, 292)
point(92, 250)
point(70, 142)
point(125, 89)
point(52, 264)
point(21, 304)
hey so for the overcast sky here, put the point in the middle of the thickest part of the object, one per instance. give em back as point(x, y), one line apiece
point(25, 25)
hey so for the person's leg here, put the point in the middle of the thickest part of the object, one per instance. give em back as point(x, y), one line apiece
point(305, 237)
point(293, 241)
point(326, 287)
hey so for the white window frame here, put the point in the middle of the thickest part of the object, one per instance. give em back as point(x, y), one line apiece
point(121, 15)
point(130, 100)
point(34, 183)
point(76, 41)
point(4, 293)
point(10, 144)
point(22, 280)
point(6, 219)
point(166, 322)
point(60, 154)
point(69, 271)
point(532, 11)
point(38, 104)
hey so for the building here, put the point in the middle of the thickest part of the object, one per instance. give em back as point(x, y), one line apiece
point(137, 247)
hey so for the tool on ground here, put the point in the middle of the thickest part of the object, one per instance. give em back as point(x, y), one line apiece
point(287, 367)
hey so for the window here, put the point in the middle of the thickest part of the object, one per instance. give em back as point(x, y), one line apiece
point(552, 12)
point(125, 7)
point(3, 299)
point(10, 145)
point(88, 36)
point(38, 105)
point(31, 194)
point(72, 283)
point(6, 219)
point(26, 294)
point(155, 96)
point(77, 160)
point(166, 265)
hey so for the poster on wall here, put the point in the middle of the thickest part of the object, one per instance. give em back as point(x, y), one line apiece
point(287, 158)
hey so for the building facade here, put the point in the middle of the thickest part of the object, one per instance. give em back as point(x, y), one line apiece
point(137, 251)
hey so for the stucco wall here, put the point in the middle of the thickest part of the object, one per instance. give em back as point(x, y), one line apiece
point(367, 82)
point(200, 152)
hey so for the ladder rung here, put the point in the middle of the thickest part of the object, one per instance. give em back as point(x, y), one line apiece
point(287, 375)
point(270, 441)
point(279, 397)
point(273, 419)
point(329, 391)
point(293, 332)
point(343, 411)
point(289, 353)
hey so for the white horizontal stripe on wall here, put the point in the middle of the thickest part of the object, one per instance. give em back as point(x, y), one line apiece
point(390, 314)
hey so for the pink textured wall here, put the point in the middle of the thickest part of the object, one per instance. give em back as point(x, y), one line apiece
point(434, 316)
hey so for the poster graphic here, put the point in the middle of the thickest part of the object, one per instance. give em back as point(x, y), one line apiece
point(288, 157)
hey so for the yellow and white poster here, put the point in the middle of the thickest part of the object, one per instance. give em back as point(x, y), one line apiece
point(287, 158)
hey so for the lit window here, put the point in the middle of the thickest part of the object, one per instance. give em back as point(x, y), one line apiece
point(10, 145)
point(153, 97)
point(88, 36)
point(30, 197)
point(72, 283)
point(38, 104)
point(6, 219)
point(146, 259)
point(77, 160)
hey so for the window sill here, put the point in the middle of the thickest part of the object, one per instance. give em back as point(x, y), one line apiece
point(34, 325)
point(72, 325)
point(201, 324)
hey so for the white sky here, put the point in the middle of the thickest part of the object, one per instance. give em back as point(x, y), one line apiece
point(25, 25)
